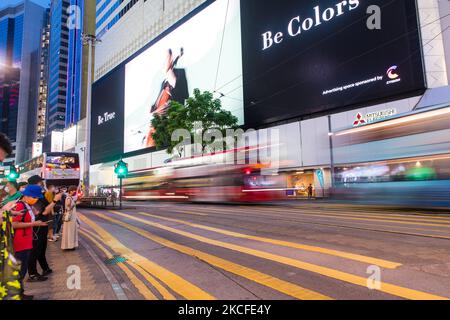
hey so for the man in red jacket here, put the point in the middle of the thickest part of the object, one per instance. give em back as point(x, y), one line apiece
point(23, 223)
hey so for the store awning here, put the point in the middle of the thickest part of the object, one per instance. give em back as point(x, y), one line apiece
point(434, 97)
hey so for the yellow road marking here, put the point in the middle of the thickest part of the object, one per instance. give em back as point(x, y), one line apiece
point(372, 261)
point(282, 286)
point(143, 290)
point(173, 281)
point(161, 289)
point(328, 272)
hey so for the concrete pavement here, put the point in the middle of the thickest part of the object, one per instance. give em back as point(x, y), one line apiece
point(94, 284)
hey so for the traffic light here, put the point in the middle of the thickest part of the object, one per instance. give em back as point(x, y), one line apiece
point(13, 174)
point(121, 169)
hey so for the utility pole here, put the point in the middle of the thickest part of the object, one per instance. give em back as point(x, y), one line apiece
point(330, 135)
point(91, 41)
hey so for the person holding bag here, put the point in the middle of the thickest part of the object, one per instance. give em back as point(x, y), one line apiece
point(70, 219)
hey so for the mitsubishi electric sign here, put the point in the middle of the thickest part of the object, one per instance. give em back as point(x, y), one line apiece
point(309, 58)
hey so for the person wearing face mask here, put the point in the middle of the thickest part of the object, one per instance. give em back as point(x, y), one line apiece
point(70, 228)
point(23, 223)
point(36, 181)
point(22, 186)
point(12, 192)
point(33, 196)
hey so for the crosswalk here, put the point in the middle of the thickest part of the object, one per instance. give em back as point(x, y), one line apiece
point(214, 254)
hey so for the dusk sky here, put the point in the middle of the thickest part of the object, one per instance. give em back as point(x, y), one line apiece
point(4, 3)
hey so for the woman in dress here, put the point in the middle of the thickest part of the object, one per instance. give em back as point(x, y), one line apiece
point(70, 218)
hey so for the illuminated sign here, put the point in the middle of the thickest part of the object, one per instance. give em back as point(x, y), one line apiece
point(70, 138)
point(202, 53)
point(303, 58)
point(57, 141)
point(36, 149)
point(298, 25)
point(373, 117)
point(106, 117)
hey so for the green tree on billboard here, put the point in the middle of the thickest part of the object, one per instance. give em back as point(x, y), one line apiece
point(201, 107)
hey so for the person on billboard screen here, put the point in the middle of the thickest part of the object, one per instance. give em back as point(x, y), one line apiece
point(174, 87)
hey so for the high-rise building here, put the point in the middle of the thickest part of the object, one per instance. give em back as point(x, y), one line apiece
point(78, 60)
point(43, 79)
point(58, 60)
point(109, 12)
point(20, 34)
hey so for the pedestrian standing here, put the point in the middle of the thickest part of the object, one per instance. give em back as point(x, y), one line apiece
point(23, 223)
point(22, 186)
point(33, 196)
point(12, 192)
point(310, 191)
point(70, 227)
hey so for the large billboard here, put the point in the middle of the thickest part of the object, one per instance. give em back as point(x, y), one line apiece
point(302, 58)
point(203, 53)
point(107, 117)
point(268, 61)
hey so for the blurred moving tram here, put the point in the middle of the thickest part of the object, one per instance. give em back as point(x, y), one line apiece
point(204, 179)
point(400, 161)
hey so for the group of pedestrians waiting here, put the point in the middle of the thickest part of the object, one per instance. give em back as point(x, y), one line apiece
point(32, 215)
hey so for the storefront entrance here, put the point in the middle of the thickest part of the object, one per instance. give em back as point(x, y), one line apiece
point(299, 182)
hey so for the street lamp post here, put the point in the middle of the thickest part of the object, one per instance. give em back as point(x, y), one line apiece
point(91, 41)
point(330, 135)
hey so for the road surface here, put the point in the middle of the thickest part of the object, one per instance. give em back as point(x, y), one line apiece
point(298, 251)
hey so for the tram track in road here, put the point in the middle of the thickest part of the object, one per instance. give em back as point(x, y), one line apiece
point(326, 272)
point(401, 211)
point(309, 219)
point(320, 214)
point(385, 217)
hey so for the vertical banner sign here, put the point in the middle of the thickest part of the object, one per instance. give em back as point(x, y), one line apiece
point(36, 150)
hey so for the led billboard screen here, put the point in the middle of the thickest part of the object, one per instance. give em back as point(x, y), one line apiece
point(302, 58)
point(107, 117)
point(204, 52)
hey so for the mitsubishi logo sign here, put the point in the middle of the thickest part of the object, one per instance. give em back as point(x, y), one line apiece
point(373, 117)
point(359, 120)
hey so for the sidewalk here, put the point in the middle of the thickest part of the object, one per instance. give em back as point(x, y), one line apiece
point(94, 283)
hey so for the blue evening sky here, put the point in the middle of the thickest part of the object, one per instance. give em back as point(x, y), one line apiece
point(4, 3)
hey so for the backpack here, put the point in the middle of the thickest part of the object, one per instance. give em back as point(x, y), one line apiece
point(60, 207)
point(28, 211)
point(63, 202)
